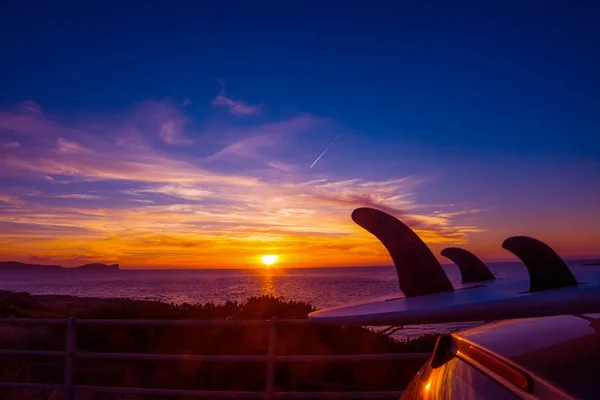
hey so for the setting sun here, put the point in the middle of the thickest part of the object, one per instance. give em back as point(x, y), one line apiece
point(269, 259)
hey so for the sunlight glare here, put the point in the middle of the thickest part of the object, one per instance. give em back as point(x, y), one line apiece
point(269, 259)
point(428, 386)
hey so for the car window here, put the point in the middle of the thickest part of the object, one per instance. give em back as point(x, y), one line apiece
point(454, 380)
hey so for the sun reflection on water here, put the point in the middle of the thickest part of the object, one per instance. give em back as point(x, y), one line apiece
point(268, 285)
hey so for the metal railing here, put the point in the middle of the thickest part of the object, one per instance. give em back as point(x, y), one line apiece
point(270, 359)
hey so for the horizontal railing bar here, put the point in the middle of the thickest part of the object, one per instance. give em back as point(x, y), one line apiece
point(153, 322)
point(44, 353)
point(190, 322)
point(169, 322)
point(297, 321)
point(26, 385)
point(337, 395)
point(172, 357)
point(253, 358)
point(199, 322)
point(238, 394)
point(355, 357)
point(169, 392)
point(24, 321)
point(172, 322)
point(204, 393)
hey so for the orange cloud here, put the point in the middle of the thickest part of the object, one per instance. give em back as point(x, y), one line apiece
point(163, 206)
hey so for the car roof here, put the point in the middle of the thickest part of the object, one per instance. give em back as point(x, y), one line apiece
point(563, 350)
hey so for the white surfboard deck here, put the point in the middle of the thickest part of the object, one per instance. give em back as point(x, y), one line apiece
point(480, 301)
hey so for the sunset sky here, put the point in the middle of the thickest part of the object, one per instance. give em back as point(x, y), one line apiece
point(166, 136)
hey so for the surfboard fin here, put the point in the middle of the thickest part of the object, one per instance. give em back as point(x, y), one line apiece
point(419, 272)
point(472, 269)
point(546, 269)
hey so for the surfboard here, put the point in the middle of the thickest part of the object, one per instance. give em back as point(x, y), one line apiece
point(477, 303)
point(479, 300)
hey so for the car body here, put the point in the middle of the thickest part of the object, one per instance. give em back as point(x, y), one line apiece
point(554, 357)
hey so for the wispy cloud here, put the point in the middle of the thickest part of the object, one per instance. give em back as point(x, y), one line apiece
point(127, 197)
point(11, 145)
point(289, 168)
point(235, 107)
point(182, 191)
point(253, 141)
point(67, 146)
point(75, 160)
point(247, 147)
point(28, 119)
point(80, 196)
point(170, 132)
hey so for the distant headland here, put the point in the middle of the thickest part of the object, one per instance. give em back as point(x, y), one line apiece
point(19, 266)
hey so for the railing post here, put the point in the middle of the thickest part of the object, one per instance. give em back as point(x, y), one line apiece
point(271, 359)
point(69, 352)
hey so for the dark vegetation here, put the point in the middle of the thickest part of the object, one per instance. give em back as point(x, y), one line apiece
point(233, 340)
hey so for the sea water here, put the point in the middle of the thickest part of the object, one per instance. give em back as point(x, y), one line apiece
point(321, 287)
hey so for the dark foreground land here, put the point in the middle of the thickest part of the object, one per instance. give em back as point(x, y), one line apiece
point(222, 375)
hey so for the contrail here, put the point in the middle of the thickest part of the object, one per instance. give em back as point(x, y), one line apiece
point(318, 158)
point(324, 151)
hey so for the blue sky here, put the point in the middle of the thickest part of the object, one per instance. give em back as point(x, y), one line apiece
point(490, 110)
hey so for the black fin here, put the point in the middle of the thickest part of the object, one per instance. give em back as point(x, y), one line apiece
point(419, 272)
point(546, 269)
point(472, 269)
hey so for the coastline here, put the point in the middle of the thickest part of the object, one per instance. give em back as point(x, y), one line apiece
point(25, 267)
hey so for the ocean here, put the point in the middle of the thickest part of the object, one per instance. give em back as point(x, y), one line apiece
point(322, 287)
